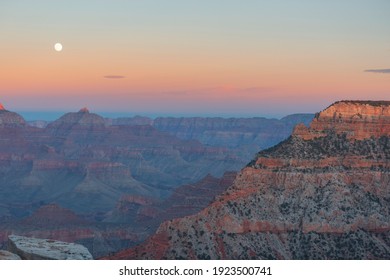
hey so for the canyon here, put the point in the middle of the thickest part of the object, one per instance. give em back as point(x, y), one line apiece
point(109, 183)
point(323, 193)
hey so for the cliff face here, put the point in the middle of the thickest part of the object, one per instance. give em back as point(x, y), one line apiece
point(357, 119)
point(324, 193)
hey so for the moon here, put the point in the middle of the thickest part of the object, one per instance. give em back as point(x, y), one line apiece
point(58, 47)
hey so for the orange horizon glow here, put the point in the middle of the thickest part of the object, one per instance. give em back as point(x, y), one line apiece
point(305, 58)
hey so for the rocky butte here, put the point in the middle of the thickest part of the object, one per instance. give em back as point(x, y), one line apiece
point(323, 193)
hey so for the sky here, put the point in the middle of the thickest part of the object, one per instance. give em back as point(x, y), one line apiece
point(192, 57)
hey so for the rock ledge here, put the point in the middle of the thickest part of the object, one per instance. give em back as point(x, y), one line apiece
point(45, 249)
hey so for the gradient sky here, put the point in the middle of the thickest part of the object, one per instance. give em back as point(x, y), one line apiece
point(192, 57)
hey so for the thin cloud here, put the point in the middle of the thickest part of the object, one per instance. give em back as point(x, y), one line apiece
point(114, 77)
point(382, 71)
point(220, 90)
point(257, 90)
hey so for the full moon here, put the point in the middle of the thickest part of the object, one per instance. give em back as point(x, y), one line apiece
point(58, 47)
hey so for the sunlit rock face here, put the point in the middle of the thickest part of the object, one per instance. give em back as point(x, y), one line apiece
point(356, 119)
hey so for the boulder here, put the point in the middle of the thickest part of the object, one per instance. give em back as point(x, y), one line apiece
point(46, 249)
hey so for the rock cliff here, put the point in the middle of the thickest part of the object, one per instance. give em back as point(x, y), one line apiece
point(324, 193)
point(356, 119)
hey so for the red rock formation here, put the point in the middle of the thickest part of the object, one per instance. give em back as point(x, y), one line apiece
point(322, 194)
point(357, 119)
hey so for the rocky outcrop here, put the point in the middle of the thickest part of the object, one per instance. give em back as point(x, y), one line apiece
point(324, 193)
point(46, 249)
point(357, 119)
point(100, 239)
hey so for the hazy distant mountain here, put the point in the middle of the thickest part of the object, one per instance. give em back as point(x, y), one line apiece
point(38, 123)
point(83, 164)
point(243, 136)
